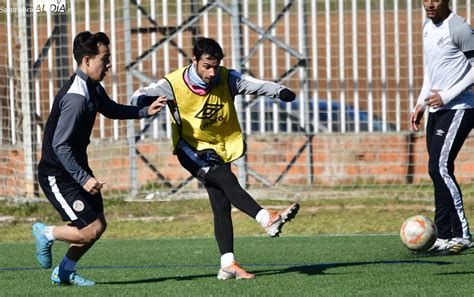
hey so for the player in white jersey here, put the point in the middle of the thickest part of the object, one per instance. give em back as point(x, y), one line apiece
point(448, 47)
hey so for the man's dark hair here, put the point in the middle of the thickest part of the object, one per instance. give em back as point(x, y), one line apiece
point(207, 46)
point(87, 44)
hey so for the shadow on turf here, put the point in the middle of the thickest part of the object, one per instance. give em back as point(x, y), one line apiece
point(309, 269)
point(319, 269)
point(456, 273)
point(158, 279)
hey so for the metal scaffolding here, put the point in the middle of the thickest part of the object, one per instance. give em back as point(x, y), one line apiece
point(240, 60)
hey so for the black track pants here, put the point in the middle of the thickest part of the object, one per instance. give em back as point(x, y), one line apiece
point(446, 132)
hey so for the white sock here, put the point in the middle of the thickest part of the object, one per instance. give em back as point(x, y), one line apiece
point(263, 217)
point(227, 259)
point(48, 232)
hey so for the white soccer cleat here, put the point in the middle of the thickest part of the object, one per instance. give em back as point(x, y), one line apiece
point(439, 245)
point(450, 246)
point(459, 244)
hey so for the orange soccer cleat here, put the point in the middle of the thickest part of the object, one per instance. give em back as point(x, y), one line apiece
point(234, 271)
point(277, 220)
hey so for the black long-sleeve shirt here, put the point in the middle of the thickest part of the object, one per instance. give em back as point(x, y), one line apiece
point(69, 126)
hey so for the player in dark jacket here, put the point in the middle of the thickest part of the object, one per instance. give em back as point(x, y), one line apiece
point(63, 172)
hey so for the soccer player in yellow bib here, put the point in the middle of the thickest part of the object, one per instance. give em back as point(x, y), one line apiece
point(207, 137)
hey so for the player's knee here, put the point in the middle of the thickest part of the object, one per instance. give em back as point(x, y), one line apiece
point(83, 237)
point(434, 170)
point(92, 234)
point(87, 237)
point(104, 227)
point(223, 209)
point(101, 230)
point(97, 232)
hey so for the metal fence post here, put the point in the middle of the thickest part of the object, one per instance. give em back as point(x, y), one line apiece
point(132, 153)
point(29, 145)
point(236, 58)
point(304, 76)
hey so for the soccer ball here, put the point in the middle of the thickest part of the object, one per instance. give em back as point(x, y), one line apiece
point(418, 233)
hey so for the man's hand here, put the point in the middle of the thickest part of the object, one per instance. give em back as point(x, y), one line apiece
point(93, 186)
point(157, 105)
point(434, 100)
point(415, 117)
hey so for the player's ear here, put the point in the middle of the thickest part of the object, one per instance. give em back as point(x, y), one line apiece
point(86, 60)
point(194, 60)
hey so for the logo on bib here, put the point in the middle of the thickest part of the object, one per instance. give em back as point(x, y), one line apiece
point(208, 110)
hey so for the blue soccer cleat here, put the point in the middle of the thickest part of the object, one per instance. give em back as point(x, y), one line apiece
point(69, 278)
point(43, 245)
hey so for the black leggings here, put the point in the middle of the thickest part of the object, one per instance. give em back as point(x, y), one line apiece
point(446, 132)
point(224, 191)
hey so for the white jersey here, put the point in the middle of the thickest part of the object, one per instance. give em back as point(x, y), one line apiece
point(448, 50)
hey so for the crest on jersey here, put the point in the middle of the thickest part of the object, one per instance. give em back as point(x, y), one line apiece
point(78, 205)
point(208, 110)
point(442, 41)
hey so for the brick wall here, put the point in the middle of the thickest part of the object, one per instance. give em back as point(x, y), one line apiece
point(338, 159)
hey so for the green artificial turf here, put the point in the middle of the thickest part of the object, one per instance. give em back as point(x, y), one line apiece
point(348, 265)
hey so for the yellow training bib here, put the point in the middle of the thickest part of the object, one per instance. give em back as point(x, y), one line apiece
point(208, 121)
